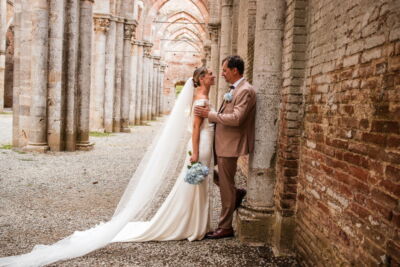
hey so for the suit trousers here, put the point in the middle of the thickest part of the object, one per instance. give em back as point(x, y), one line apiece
point(225, 179)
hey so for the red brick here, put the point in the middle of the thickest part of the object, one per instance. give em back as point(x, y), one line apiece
point(336, 164)
point(390, 187)
point(384, 212)
point(373, 249)
point(383, 198)
point(393, 173)
point(393, 157)
point(386, 126)
point(364, 124)
point(356, 159)
point(382, 110)
point(360, 173)
point(378, 139)
point(393, 249)
point(393, 142)
point(361, 212)
point(358, 148)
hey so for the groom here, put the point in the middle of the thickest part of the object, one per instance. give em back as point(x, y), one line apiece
point(234, 137)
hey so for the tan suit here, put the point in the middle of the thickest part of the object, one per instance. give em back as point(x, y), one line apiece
point(234, 137)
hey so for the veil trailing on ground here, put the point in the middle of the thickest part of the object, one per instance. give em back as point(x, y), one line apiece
point(137, 197)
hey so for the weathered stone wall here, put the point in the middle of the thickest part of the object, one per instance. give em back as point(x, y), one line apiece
point(348, 189)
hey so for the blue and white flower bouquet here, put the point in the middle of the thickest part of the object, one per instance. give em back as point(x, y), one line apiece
point(196, 173)
point(228, 96)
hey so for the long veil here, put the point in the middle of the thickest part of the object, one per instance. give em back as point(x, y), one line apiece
point(137, 197)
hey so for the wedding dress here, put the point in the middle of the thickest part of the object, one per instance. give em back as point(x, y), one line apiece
point(184, 214)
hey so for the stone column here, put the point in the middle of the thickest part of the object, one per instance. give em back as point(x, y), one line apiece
point(215, 63)
point(162, 99)
point(226, 43)
point(101, 27)
point(150, 88)
point(139, 83)
point(16, 127)
point(134, 81)
point(119, 50)
point(110, 77)
point(256, 219)
point(3, 29)
point(85, 48)
point(72, 39)
point(146, 79)
point(37, 137)
point(155, 98)
point(56, 82)
point(129, 31)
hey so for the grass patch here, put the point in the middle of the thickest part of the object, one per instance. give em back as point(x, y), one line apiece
point(20, 152)
point(5, 113)
point(8, 146)
point(99, 134)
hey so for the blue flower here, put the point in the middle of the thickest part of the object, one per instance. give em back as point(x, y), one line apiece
point(196, 173)
point(228, 97)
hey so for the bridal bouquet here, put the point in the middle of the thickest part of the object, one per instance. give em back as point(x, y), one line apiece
point(196, 173)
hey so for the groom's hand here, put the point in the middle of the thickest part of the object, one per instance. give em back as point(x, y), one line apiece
point(201, 111)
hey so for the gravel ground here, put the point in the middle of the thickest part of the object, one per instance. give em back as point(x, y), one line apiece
point(45, 197)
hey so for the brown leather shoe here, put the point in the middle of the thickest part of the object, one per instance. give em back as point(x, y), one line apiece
point(220, 233)
point(240, 193)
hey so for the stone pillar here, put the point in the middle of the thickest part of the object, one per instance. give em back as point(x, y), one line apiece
point(129, 31)
point(72, 39)
point(134, 81)
point(3, 29)
point(16, 127)
point(256, 220)
point(110, 77)
point(162, 99)
point(101, 27)
point(215, 65)
point(139, 83)
point(119, 50)
point(37, 137)
point(155, 98)
point(146, 79)
point(85, 48)
point(226, 43)
point(56, 82)
point(150, 73)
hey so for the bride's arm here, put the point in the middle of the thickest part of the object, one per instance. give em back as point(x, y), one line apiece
point(196, 138)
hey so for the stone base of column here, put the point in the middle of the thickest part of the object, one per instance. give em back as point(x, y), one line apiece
point(116, 126)
point(84, 146)
point(255, 227)
point(125, 130)
point(38, 147)
point(284, 235)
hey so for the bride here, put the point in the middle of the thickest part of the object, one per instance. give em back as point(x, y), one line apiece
point(185, 213)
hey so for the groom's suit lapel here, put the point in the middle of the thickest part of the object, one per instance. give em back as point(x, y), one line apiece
point(235, 92)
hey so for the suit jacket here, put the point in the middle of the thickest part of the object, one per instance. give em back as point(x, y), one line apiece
point(235, 123)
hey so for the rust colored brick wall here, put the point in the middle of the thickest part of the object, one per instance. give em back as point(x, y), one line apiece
point(348, 209)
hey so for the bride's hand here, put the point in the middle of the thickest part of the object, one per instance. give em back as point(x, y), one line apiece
point(194, 158)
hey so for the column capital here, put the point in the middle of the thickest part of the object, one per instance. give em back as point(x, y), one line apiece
point(101, 23)
point(213, 29)
point(92, 1)
point(129, 31)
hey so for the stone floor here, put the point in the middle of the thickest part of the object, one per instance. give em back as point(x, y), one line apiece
point(45, 197)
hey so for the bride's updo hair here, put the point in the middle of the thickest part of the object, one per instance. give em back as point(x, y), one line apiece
point(198, 73)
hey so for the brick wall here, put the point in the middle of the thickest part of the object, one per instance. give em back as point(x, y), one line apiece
point(348, 208)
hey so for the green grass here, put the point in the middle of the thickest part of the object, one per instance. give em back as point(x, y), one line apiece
point(5, 113)
point(99, 134)
point(27, 159)
point(8, 146)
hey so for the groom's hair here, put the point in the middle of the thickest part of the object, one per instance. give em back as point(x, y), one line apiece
point(235, 62)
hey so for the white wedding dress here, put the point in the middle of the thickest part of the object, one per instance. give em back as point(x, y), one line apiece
point(185, 213)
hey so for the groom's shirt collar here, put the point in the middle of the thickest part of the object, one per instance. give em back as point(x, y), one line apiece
point(237, 82)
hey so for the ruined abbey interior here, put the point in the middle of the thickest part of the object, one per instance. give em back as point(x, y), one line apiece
point(324, 180)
